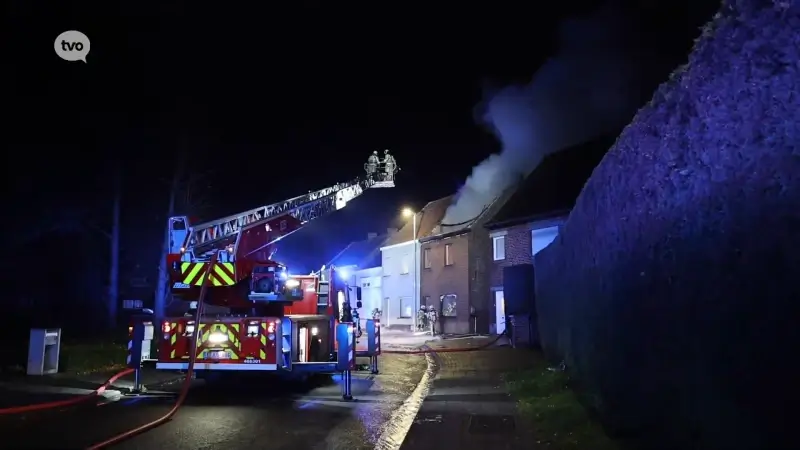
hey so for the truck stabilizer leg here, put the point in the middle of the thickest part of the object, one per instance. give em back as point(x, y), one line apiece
point(347, 385)
point(373, 366)
point(135, 355)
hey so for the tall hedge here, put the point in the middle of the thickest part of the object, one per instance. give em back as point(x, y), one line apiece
point(672, 291)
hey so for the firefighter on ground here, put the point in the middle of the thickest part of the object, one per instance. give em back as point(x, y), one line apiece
point(389, 165)
point(372, 164)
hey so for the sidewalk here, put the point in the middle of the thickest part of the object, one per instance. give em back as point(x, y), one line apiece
point(25, 390)
point(468, 406)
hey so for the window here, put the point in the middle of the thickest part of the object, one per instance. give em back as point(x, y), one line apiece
point(387, 264)
point(448, 304)
point(448, 257)
point(426, 257)
point(406, 307)
point(405, 265)
point(132, 304)
point(499, 247)
point(541, 238)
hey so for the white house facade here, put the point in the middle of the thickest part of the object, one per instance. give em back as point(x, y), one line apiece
point(400, 284)
point(369, 280)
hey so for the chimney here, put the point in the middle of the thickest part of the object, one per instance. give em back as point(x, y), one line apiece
point(372, 235)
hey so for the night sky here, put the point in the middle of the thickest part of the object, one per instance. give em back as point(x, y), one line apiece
point(261, 105)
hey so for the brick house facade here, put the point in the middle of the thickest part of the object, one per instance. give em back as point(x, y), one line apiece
point(529, 221)
point(455, 265)
point(517, 242)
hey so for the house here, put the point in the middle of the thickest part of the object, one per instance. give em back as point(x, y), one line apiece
point(400, 259)
point(360, 265)
point(455, 272)
point(530, 220)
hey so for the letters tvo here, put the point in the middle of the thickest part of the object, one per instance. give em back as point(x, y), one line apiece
point(71, 46)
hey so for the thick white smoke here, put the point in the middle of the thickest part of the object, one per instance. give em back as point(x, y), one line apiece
point(590, 88)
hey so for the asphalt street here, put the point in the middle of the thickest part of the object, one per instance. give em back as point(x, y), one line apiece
point(248, 413)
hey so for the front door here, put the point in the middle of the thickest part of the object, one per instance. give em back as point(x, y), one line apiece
point(500, 310)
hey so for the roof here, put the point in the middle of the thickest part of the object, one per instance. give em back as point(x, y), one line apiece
point(363, 254)
point(427, 219)
point(444, 230)
point(552, 188)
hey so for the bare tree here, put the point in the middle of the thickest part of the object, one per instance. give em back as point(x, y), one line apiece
point(112, 302)
point(187, 195)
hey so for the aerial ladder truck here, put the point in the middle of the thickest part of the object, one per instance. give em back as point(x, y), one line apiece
point(274, 321)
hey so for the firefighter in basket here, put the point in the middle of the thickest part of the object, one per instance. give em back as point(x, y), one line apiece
point(372, 164)
point(389, 165)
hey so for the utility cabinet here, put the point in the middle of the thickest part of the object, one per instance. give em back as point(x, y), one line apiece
point(44, 349)
point(520, 330)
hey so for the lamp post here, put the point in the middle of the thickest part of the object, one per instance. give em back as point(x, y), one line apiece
point(406, 213)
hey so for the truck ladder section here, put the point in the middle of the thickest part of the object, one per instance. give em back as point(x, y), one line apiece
point(304, 208)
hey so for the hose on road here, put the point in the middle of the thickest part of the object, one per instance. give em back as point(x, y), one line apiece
point(445, 350)
point(68, 402)
point(187, 381)
point(193, 357)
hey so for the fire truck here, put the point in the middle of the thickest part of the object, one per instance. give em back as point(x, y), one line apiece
point(273, 321)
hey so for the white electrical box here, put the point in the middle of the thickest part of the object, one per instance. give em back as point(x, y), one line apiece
point(148, 340)
point(44, 349)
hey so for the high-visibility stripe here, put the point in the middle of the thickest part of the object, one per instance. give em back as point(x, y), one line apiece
point(222, 274)
point(191, 271)
point(230, 330)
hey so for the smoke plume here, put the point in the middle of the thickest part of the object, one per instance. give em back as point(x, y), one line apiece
point(590, 88)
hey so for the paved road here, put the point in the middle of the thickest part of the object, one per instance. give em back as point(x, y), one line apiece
point(467, 406)
point(245, 414)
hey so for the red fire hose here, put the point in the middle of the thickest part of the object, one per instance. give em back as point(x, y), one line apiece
point(187, 381)
point(64, 403)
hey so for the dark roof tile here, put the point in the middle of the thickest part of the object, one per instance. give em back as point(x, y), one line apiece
point(552, 188)
point(427, 219)
point(363, 254)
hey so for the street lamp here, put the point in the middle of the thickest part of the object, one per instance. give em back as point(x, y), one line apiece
point(408, 212)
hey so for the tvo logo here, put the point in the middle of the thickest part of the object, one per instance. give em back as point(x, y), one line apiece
point(72, 46)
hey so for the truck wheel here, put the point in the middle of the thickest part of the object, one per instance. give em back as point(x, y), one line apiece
point(265, 285)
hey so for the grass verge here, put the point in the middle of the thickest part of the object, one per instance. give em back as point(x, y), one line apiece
point(560, 421)
point(90, 357)
point(75, 358)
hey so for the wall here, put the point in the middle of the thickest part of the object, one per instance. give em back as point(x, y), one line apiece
point(370, 280)
point(671, 292)
point(439, 280)
point(521, 241)
point(480, 296)
point(396, 285)
point(518, 251)
point(520, 246)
